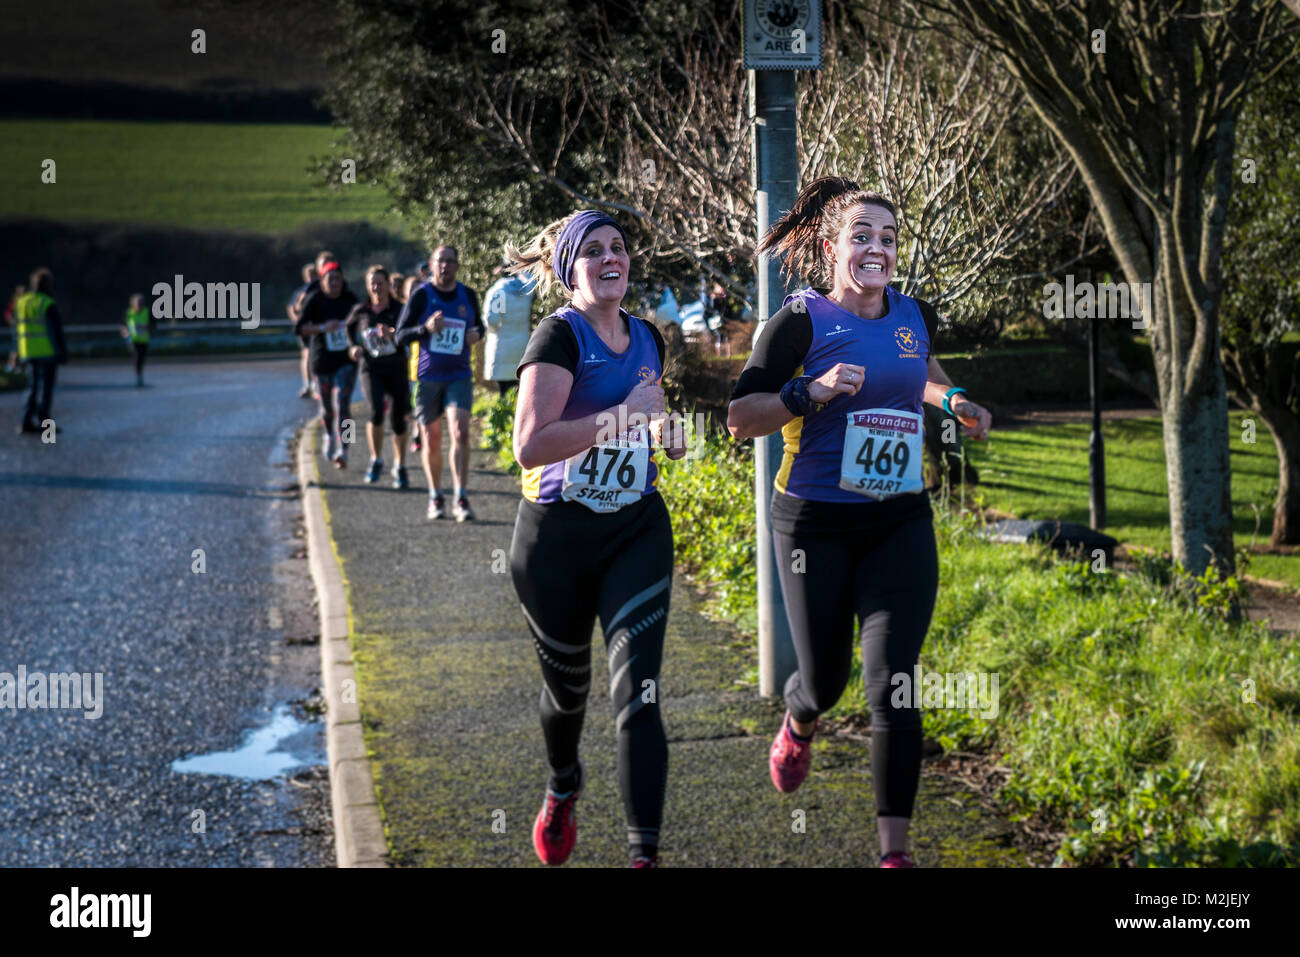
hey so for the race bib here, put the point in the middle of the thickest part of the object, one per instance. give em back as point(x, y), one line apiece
point(451, 339)
point(337, 340)
point(882, 453)
point(606, 477)
point(377, 344)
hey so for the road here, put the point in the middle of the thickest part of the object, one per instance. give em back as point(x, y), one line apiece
point(154, 543)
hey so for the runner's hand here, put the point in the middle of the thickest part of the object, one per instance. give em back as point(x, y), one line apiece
point(434, 323)
point(672, 436)
point(842, 378)
point(647, 398)
point(355, 353)
point(331, 325)
point(974, 418)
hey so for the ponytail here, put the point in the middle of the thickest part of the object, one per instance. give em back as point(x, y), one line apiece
point(816, 215)
point(534, 260)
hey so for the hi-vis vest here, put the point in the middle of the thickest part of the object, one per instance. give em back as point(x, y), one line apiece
point(137, 325)
point(33, 337)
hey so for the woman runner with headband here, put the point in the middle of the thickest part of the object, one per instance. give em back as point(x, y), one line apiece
point(592, 537)
point(842, 370)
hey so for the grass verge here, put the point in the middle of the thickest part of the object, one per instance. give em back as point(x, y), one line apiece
point(1042, 472)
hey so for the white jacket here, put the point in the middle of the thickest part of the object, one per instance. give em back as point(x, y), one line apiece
point(506, 310)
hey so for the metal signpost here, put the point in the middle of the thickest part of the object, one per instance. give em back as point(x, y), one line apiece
point(779, 39)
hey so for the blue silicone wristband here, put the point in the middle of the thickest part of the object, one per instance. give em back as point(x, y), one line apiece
point(951, 392)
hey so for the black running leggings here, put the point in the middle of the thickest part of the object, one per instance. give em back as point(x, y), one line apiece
point(141, 350)
point(571, 565)
point(380, 381)
point(888, 579)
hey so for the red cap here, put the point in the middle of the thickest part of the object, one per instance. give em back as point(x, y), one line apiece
point(328, 266)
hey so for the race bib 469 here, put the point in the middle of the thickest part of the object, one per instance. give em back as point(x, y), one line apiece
point(882, 453)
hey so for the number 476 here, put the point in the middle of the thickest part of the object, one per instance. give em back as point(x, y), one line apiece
point(590, 467)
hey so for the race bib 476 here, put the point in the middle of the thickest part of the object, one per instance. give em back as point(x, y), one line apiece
point(606, 477)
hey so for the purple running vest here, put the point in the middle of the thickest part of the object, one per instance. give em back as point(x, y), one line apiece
point(892, 349)
point(603, 380)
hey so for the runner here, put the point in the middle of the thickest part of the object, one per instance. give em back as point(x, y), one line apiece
point(324, 315)
point(442, 317)
point(509, 303)
point(849, 498)
point(39, 331)
point(592, 537)
point(294, 310)
point(11, 361)
point(383, 373)
point(408, 284)
point(139, 323)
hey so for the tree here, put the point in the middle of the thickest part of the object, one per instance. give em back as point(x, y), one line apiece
point(940, 127)
point(490, 122)
point(1145, 98)
point(1262, 288)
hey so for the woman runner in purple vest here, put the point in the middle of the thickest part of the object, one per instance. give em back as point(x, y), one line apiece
point(842, 370)
point(592, 538)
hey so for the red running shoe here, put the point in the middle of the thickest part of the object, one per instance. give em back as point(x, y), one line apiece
point(645, 861)
point(789, 760)
point(556, 829)
point(897, 859)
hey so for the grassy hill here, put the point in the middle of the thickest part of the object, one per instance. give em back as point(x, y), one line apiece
point(197, 175)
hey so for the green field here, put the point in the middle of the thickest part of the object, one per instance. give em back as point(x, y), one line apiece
point(198, 175)
point(1042, 472)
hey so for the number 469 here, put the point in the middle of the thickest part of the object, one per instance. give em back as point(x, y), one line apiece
point(883, 461)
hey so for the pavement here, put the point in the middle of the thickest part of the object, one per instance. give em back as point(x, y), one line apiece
point(448, 687)
point(153, 543)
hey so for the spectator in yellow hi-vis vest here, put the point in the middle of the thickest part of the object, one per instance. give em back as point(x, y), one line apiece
point(139, 323)
point(39, 330)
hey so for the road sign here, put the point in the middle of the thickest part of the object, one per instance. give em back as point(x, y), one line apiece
point(783, 34)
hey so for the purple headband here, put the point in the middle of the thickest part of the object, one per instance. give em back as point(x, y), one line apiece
point(570, 241)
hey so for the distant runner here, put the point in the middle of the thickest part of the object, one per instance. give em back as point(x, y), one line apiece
point(324, 321)
point(373, 324)
point(139, 323)
point(442, 318)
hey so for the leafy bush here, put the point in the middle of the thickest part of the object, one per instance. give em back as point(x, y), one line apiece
point(496, 415)
point(710, 495)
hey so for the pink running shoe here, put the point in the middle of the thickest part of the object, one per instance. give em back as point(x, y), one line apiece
point(897, 859)
point(556, 829)
point(789, 760)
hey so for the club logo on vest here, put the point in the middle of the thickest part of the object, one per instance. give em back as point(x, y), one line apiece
point(908, 341)
point(645, 374)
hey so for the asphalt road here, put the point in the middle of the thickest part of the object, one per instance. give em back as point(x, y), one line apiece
point(99, 573)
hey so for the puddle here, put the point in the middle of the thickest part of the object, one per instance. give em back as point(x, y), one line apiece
point(284, 744)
